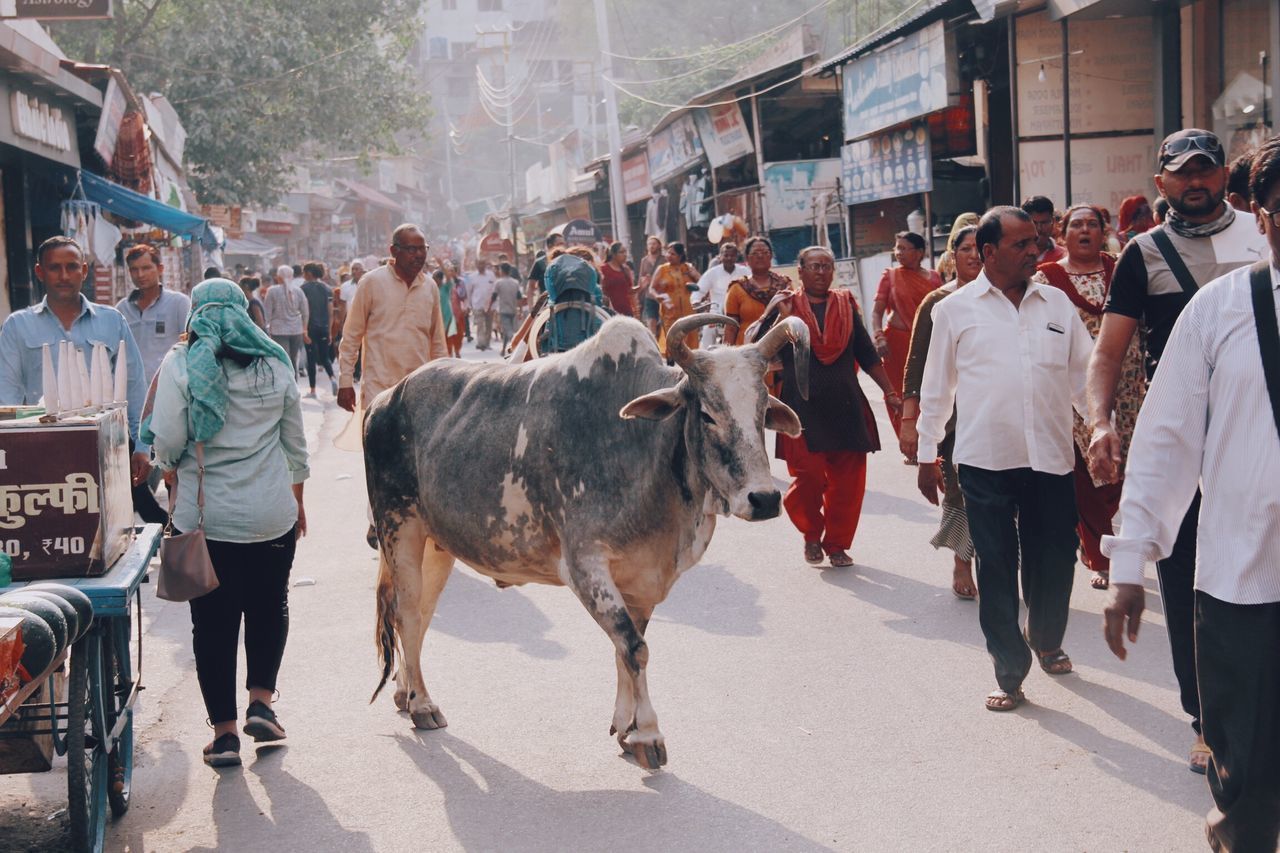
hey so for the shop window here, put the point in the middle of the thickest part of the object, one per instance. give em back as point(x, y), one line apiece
point(801, 128)
point(1243, 112)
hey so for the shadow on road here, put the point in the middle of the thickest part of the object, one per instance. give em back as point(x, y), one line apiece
point(297, 813)
point(475, 610)
point(491, 806)
point(879, 503)
point(919, 603)
point(1159, 775)
point(711, 598)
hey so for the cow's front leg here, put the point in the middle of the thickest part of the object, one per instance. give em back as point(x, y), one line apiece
point(587, 574)
point(634, 720)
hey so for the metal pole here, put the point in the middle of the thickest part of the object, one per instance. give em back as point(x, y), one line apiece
point(1066, 113)
point(755, 122)
point(928, 225)
point(617, 201)
point(513, 214)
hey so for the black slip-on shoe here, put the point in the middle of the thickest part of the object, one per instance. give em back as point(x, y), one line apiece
point(224, 751)
point(260, 723)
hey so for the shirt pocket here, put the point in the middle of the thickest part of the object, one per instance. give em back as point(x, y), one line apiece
point(1051, 347)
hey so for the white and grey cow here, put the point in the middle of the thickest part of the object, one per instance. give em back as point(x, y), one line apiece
point(602, 469)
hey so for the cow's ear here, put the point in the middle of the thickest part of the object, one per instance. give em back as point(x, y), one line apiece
point(656, 406)
point(779, 416)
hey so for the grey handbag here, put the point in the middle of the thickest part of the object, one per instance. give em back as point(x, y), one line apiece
point(186, 572)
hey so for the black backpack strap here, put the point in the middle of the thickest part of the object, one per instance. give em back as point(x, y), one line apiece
point(1171, 257)
point(1264, 318)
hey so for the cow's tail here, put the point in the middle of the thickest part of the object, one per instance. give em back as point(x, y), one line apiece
point(385, 631)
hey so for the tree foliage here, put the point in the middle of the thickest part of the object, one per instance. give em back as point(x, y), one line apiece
point(258, 83)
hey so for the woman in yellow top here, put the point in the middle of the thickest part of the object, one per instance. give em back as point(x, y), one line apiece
point(670, 286)
point(749, 296)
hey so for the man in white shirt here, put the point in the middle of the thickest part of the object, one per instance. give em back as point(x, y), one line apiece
point(1010, 356)
point(1210, 420)
point(715, 284)
point(480, 286)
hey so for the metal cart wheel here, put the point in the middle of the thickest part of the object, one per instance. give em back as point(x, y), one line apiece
point(117, 678)
point(86, 763)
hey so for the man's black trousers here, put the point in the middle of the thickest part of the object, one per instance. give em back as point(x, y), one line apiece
point(1238, 651)
point(1020, 518)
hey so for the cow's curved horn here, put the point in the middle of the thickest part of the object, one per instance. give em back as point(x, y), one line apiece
point(676, 347)
point(794, 331)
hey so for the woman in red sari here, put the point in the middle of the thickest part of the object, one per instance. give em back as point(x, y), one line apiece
point(901, 290)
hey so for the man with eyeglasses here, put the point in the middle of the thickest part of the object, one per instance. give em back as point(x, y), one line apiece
point(394, 324)
point(1212, 419)
point(1157, 274)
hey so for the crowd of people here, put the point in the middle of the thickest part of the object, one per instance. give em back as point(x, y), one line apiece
point(1052, 374)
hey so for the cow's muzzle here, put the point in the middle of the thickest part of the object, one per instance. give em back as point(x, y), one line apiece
point(765, 505)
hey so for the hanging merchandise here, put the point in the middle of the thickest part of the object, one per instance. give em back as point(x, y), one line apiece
point(655, 216)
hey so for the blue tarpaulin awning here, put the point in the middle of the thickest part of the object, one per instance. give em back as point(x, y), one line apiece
point(132, 205)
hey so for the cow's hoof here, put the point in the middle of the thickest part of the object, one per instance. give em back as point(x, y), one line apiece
point(401, 698)
point(428, 719)
point(648, 751)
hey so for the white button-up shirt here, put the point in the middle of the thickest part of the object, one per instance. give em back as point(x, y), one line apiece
point(716, 280)
point(1012, 373)
point(1207, 422)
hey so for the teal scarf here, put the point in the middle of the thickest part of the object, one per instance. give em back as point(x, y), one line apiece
point(219, 318)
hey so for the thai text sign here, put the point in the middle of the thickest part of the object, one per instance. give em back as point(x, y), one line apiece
point(896, 84)
point(674, 148)
point(724, 133)
point(887, 165)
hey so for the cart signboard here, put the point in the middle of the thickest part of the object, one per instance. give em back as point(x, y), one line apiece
point(56, 10)
point(65, 504)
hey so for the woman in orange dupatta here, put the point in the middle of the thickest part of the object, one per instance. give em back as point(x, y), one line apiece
point(901, 291)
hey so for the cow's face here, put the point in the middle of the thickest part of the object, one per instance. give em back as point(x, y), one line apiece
point(726, 410)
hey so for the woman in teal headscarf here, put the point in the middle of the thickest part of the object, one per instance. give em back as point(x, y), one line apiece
point(230, 389)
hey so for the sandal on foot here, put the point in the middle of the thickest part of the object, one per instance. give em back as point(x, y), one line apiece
point(1199, 748)
point(1101, 580)
point(813, 554)
point(1002, 700)
point(1055, 663)
point(964, 593)
point(841, 560)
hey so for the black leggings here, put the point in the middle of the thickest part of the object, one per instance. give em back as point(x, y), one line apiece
point(253, 581)
point(318, 356)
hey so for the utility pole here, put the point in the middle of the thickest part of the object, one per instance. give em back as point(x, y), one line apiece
point(617, 201)
point(512, 214)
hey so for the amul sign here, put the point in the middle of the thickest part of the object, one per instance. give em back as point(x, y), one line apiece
point(56, 10)
point(38, 121)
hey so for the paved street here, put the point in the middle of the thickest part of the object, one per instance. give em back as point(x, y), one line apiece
point(803, 710)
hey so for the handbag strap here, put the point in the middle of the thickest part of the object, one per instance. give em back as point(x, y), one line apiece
point(173, 495)
point(1174, 260)
point(1264, 319)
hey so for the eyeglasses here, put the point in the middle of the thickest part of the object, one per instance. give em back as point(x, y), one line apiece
point(415, 250)
point(1207, 144)
point(821, 266)
point(1273, 217)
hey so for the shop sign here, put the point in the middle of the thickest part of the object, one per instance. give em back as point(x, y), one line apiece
point(635, 178)
point(1103, 171)
point(1111, 85)
point(580, 232)
point(790, 190)
point(38, 121)
point(495, 244)
point(113, 110)
point(724, 133)
point(887, 165)
point(56, 10)
point(282, 229)
point(896, 84)
point(674, 148)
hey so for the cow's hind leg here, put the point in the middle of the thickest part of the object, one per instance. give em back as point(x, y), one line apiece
point(418, 572)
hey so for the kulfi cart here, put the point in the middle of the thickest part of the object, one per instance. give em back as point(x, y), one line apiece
point(93, 724)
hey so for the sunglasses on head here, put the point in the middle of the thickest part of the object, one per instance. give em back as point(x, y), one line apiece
point(1207, 144)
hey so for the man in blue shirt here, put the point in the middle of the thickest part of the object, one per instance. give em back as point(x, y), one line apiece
point(64, 314)
point(156, 315)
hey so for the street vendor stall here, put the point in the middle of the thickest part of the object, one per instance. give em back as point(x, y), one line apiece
point(71, 563)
